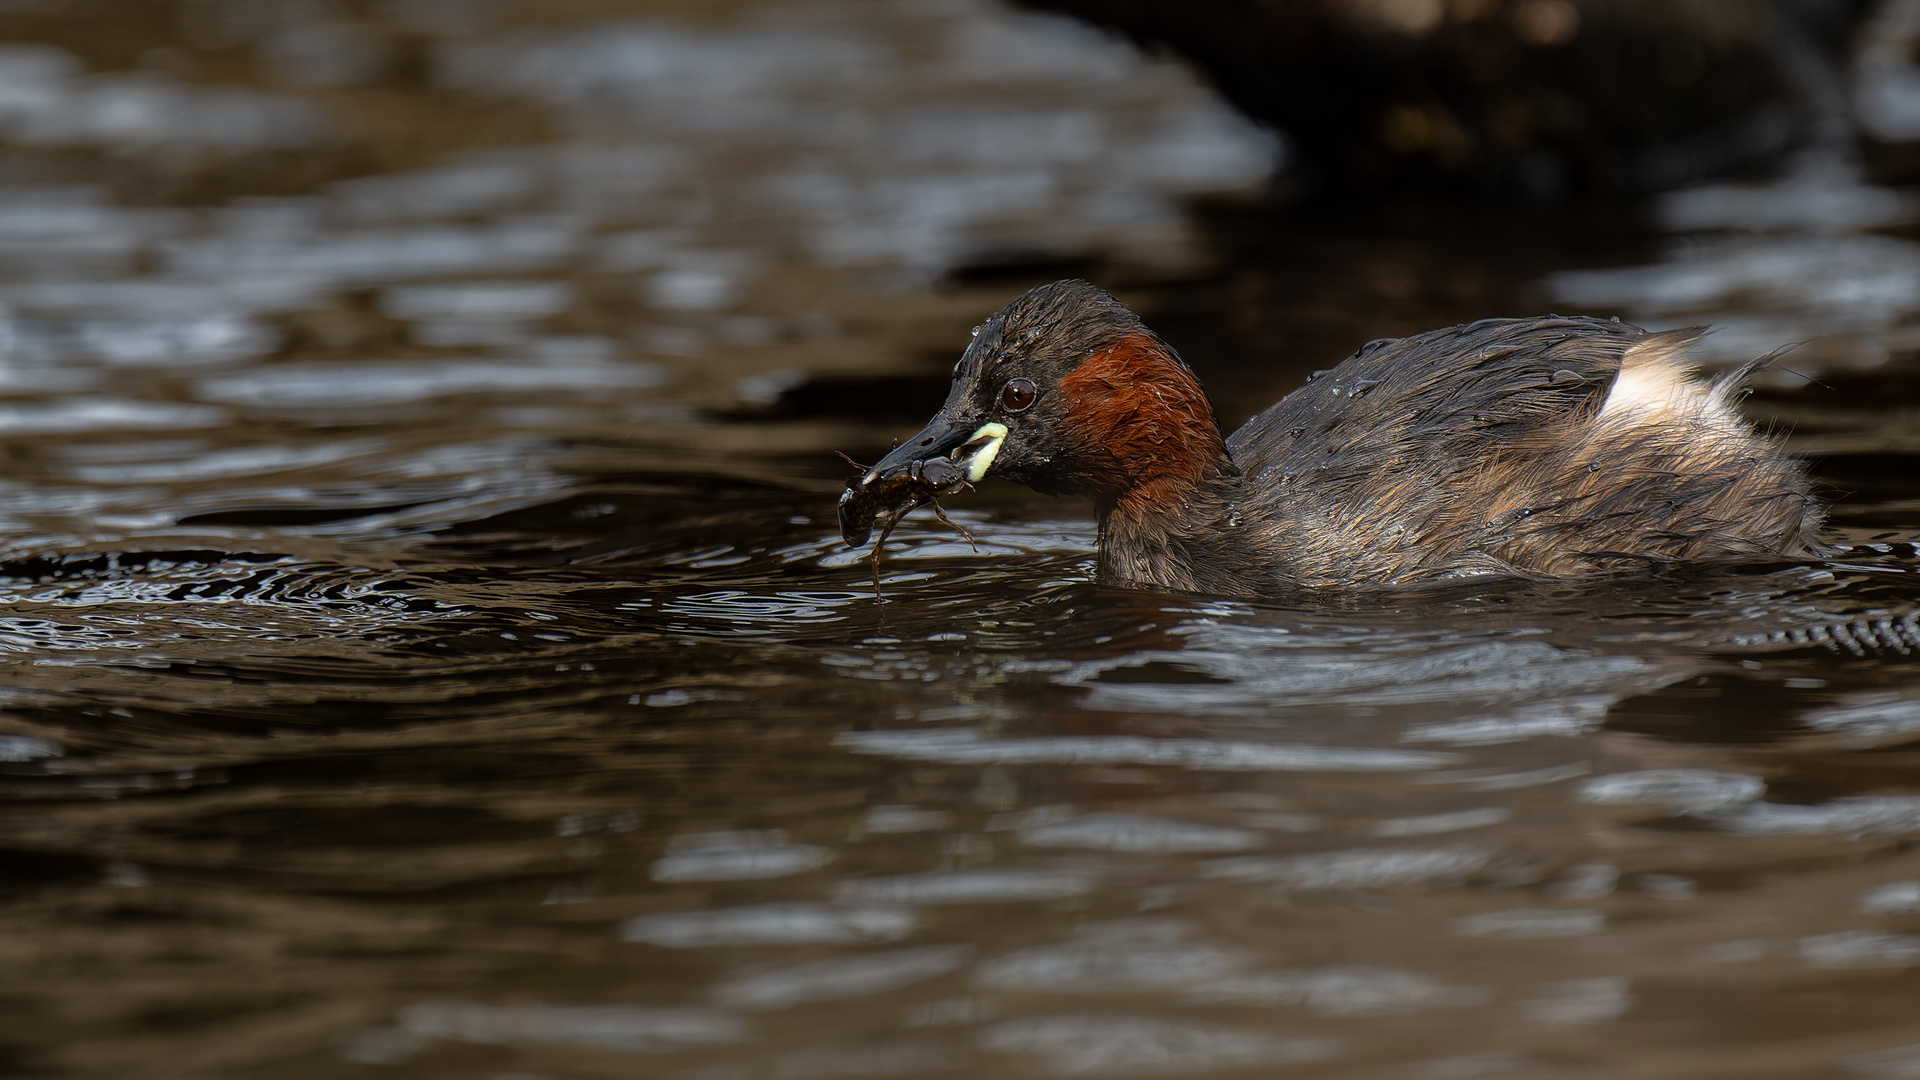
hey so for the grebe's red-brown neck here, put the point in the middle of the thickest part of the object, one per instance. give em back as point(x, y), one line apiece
point(1140, 425)
point(1151, 455)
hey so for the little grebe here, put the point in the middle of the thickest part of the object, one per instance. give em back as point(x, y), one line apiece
point(1534, 447)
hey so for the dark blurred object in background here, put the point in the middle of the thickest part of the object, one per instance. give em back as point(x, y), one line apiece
point(1530, 98)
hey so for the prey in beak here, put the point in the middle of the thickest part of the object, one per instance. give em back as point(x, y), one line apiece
point(939, 461)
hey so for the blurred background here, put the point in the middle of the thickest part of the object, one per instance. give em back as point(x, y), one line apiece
point(787, 209)
point(428, 651)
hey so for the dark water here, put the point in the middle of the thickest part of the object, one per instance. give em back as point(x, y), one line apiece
point(428, 651)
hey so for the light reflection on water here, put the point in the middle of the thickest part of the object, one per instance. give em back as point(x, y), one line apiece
point(408, 670)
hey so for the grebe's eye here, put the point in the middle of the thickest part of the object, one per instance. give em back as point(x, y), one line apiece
point(1017, 395)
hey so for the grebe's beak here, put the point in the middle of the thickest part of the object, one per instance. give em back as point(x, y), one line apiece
point(944, 457)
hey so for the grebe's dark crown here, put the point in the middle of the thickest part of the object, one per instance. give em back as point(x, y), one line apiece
point(1050, 329)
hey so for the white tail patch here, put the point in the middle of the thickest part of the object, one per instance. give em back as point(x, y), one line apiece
point(1656, 384)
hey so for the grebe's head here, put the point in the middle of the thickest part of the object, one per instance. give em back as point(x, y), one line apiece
point(1064, 391)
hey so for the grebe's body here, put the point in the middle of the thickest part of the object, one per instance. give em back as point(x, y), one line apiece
point(1536, 447)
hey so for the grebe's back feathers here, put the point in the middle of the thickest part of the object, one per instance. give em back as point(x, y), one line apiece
point(1514, 445)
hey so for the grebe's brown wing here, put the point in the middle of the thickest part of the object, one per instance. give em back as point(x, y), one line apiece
point(1445, 398)
point(1535, 446)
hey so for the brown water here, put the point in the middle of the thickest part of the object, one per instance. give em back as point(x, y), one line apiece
point(428, 652)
